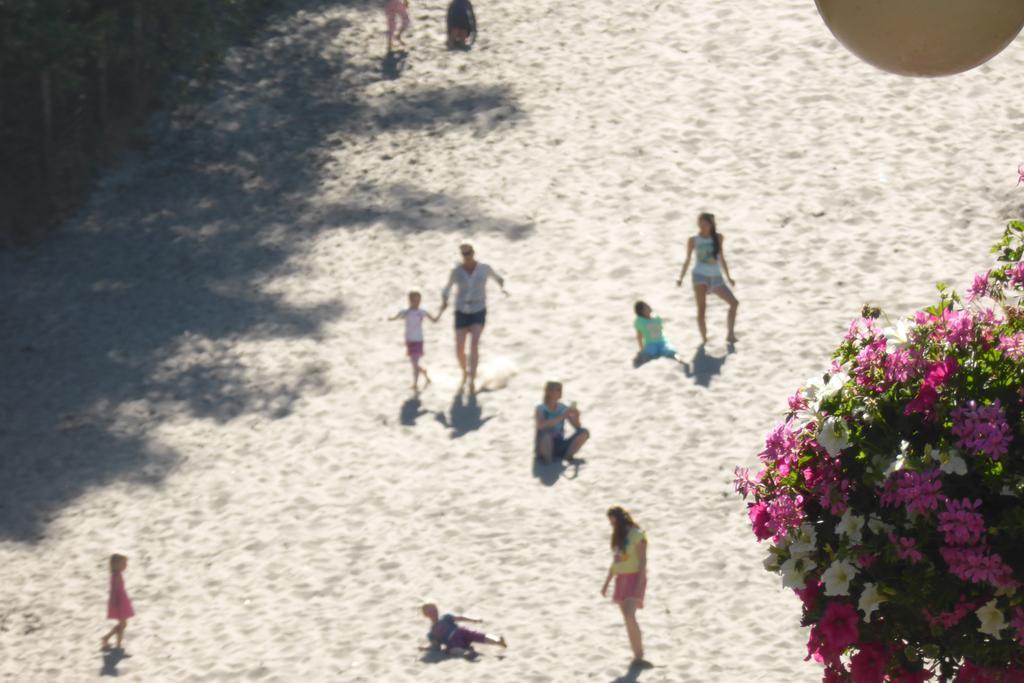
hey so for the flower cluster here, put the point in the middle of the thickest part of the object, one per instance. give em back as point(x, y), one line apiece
point(891, 497)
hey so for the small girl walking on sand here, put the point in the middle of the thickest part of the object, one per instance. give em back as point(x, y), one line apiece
point(395, 11)
point(119, 606)
point(413, 317)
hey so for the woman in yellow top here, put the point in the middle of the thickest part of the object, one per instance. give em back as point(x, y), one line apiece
point(629, 567)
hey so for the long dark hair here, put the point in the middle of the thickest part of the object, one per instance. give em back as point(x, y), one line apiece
point(623, 524)
point(710, 218)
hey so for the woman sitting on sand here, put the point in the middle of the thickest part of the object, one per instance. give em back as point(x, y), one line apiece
point(629, 568)
point(707, 273)
point(445, 634)
point(550, 418)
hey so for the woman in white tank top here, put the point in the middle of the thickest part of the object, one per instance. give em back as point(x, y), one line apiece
point(708, 274)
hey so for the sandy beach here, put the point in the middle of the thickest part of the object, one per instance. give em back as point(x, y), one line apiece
point(198, 371)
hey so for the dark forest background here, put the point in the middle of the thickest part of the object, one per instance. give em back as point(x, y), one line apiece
point(77, 78)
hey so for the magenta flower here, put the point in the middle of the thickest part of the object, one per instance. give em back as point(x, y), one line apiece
point(1015, 275)
point(958, 326)
point(927, 396)
point(951, 618)
point(1012, 345)
point(838, 628)
point(960, 524)
point(785, 513)
point(870, 663)
point(918, 492)
point(759, 519)
point(743, 483)
point(1017, 622)
point(982, 429)
point(977, 565)
point(898, 366)
point(979, 287)
point(809, 593)
point(906, 548)
point(904, 676)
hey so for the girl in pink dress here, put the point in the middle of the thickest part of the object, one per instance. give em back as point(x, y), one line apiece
point(395, 11)
point(629, 569)
point(119, 605)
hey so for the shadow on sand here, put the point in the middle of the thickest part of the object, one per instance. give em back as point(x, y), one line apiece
point(705, 366)
point(133, 315)
point(393, 64)
point(464, 416)
point(549, 474)
point(111, 658)
point(632, 674)
point(411, 411)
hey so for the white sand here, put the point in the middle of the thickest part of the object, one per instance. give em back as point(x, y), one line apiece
point(197, 372)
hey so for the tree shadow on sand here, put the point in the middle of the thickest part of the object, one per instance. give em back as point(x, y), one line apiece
point(133, 315)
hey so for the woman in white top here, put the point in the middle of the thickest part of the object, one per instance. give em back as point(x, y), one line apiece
point(707, 273)
point(470, 281)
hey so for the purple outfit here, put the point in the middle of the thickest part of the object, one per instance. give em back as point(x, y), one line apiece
point(119, 606)
point(446, 633)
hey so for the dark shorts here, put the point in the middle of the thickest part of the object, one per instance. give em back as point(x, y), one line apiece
point(464, 320)
point(560, 445)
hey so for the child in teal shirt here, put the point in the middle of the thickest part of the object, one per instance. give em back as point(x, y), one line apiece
point(649, 335)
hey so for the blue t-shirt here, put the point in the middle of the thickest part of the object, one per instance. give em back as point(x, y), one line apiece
point(559, 427)
point(443, 630)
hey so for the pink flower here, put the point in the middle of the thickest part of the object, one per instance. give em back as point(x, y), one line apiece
point(809, 593)
point(743, 482)
point(982, 429)
point(918, 492)
point(977, 565)
point(759, 519)
point(958, 327)
point(904, 676)
point(1015, 275)
point(960, 524)
point(870, 663)
point(936, 375)
point(1017, 622)
point(797, 402)
point(867, 560)
point(781, 448)
point(979, 288)
point(1012, 345)
point(898, 366)
point(838, 628)
point(785, 513)
point(952, 617)
point(906, 548)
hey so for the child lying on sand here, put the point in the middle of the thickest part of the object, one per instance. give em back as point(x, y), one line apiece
point(649, 336)
point(445, 634)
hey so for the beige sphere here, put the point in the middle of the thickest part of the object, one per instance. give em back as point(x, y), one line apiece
point(924, 37)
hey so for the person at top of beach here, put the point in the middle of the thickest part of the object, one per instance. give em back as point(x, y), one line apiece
point(461, 25)
point(550, 417)
point(708, 272)
point(445, 633)
point(396, 11)
point(413, 317)
point(119, 606)
point(469, 279)
point(629, 569)
point(649, 334)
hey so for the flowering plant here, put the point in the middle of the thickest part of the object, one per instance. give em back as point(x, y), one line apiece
point(893, 492)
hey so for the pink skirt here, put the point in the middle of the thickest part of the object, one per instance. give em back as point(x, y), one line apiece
point(629, 586)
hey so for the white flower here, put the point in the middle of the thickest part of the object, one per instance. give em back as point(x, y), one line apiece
point(869, 600)
point(897, 337)
point(879, 527)
point(834, 436)
point(771, 563)
point(949, 461)
point(793, 571)
point(834, 385)
point(991, 618)
point(850, 525)
point(837, 577)
point(803, 541)
point(900, 461)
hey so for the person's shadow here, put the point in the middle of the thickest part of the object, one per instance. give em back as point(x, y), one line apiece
point(464, 416)
point(632, 674)
point(705, 366)
point(111, 658)
point(550, 473)
point(411, 411)
point(393, 64)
